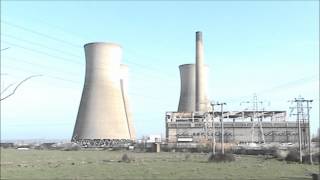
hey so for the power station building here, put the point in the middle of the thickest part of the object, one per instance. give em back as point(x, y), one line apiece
point(104, 117)
point(239, 127)
point(196, 121)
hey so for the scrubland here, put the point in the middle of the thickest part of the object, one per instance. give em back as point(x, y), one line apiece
point(106, 164)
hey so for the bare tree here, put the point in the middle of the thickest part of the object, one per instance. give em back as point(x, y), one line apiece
point(15, 89)
point(6, 88)
point(4, 48)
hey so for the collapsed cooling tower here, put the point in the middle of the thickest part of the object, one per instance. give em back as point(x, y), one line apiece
point(124, 76)
point(201, 104)
point(188, 87)
point(102, 112)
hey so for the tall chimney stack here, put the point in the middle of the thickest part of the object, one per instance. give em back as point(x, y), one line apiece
point(200, 75)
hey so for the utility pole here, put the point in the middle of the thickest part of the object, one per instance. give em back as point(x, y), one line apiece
point(299, 131)
point(222, 128)
point(309, 133)
point(213, 131)
point(260, 125)
point(301, 117)
point(206, 126)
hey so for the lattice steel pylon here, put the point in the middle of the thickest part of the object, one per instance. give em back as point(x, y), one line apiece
point(303, 117)
point(255, 108)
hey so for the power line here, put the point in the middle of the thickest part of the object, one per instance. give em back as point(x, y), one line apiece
point(63, 41)
point(69, 60)
point(44, 53)
point(61, 78)
point(65, 59)
point(279, 87)
point(46, 75)
point(288, 84)
point(42, 66)
point(145, 76)
point(37, 124)
point(146, 97)
point(44, 21)
point(39, 45)
point(40, 34)
point(57, 70)
point(148, 67)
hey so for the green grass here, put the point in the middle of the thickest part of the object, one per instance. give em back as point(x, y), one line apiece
point(54, 164)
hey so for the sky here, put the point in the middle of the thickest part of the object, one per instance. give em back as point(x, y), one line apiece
point(267, 48)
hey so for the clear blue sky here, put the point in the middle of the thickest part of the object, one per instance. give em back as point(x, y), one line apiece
point(268, 48)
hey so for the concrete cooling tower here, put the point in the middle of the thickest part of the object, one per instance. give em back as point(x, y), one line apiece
point(187, 88)
point(187, 100)
point(104, 108)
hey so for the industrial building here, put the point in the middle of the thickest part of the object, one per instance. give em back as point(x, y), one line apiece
point(239, 127)
point(104, 116)
point(197, 122)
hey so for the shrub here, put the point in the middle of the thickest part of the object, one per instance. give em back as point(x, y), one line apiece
point(227, 157)
point(293, 156)
point(125, 158)
point(315, 158)
point(281, 154)
point(187, 157)
point(315, 176)
point(71, 147)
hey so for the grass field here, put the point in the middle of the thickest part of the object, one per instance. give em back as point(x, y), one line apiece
point(55, 164)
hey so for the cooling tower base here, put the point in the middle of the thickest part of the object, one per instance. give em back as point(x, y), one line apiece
point(93, 143)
